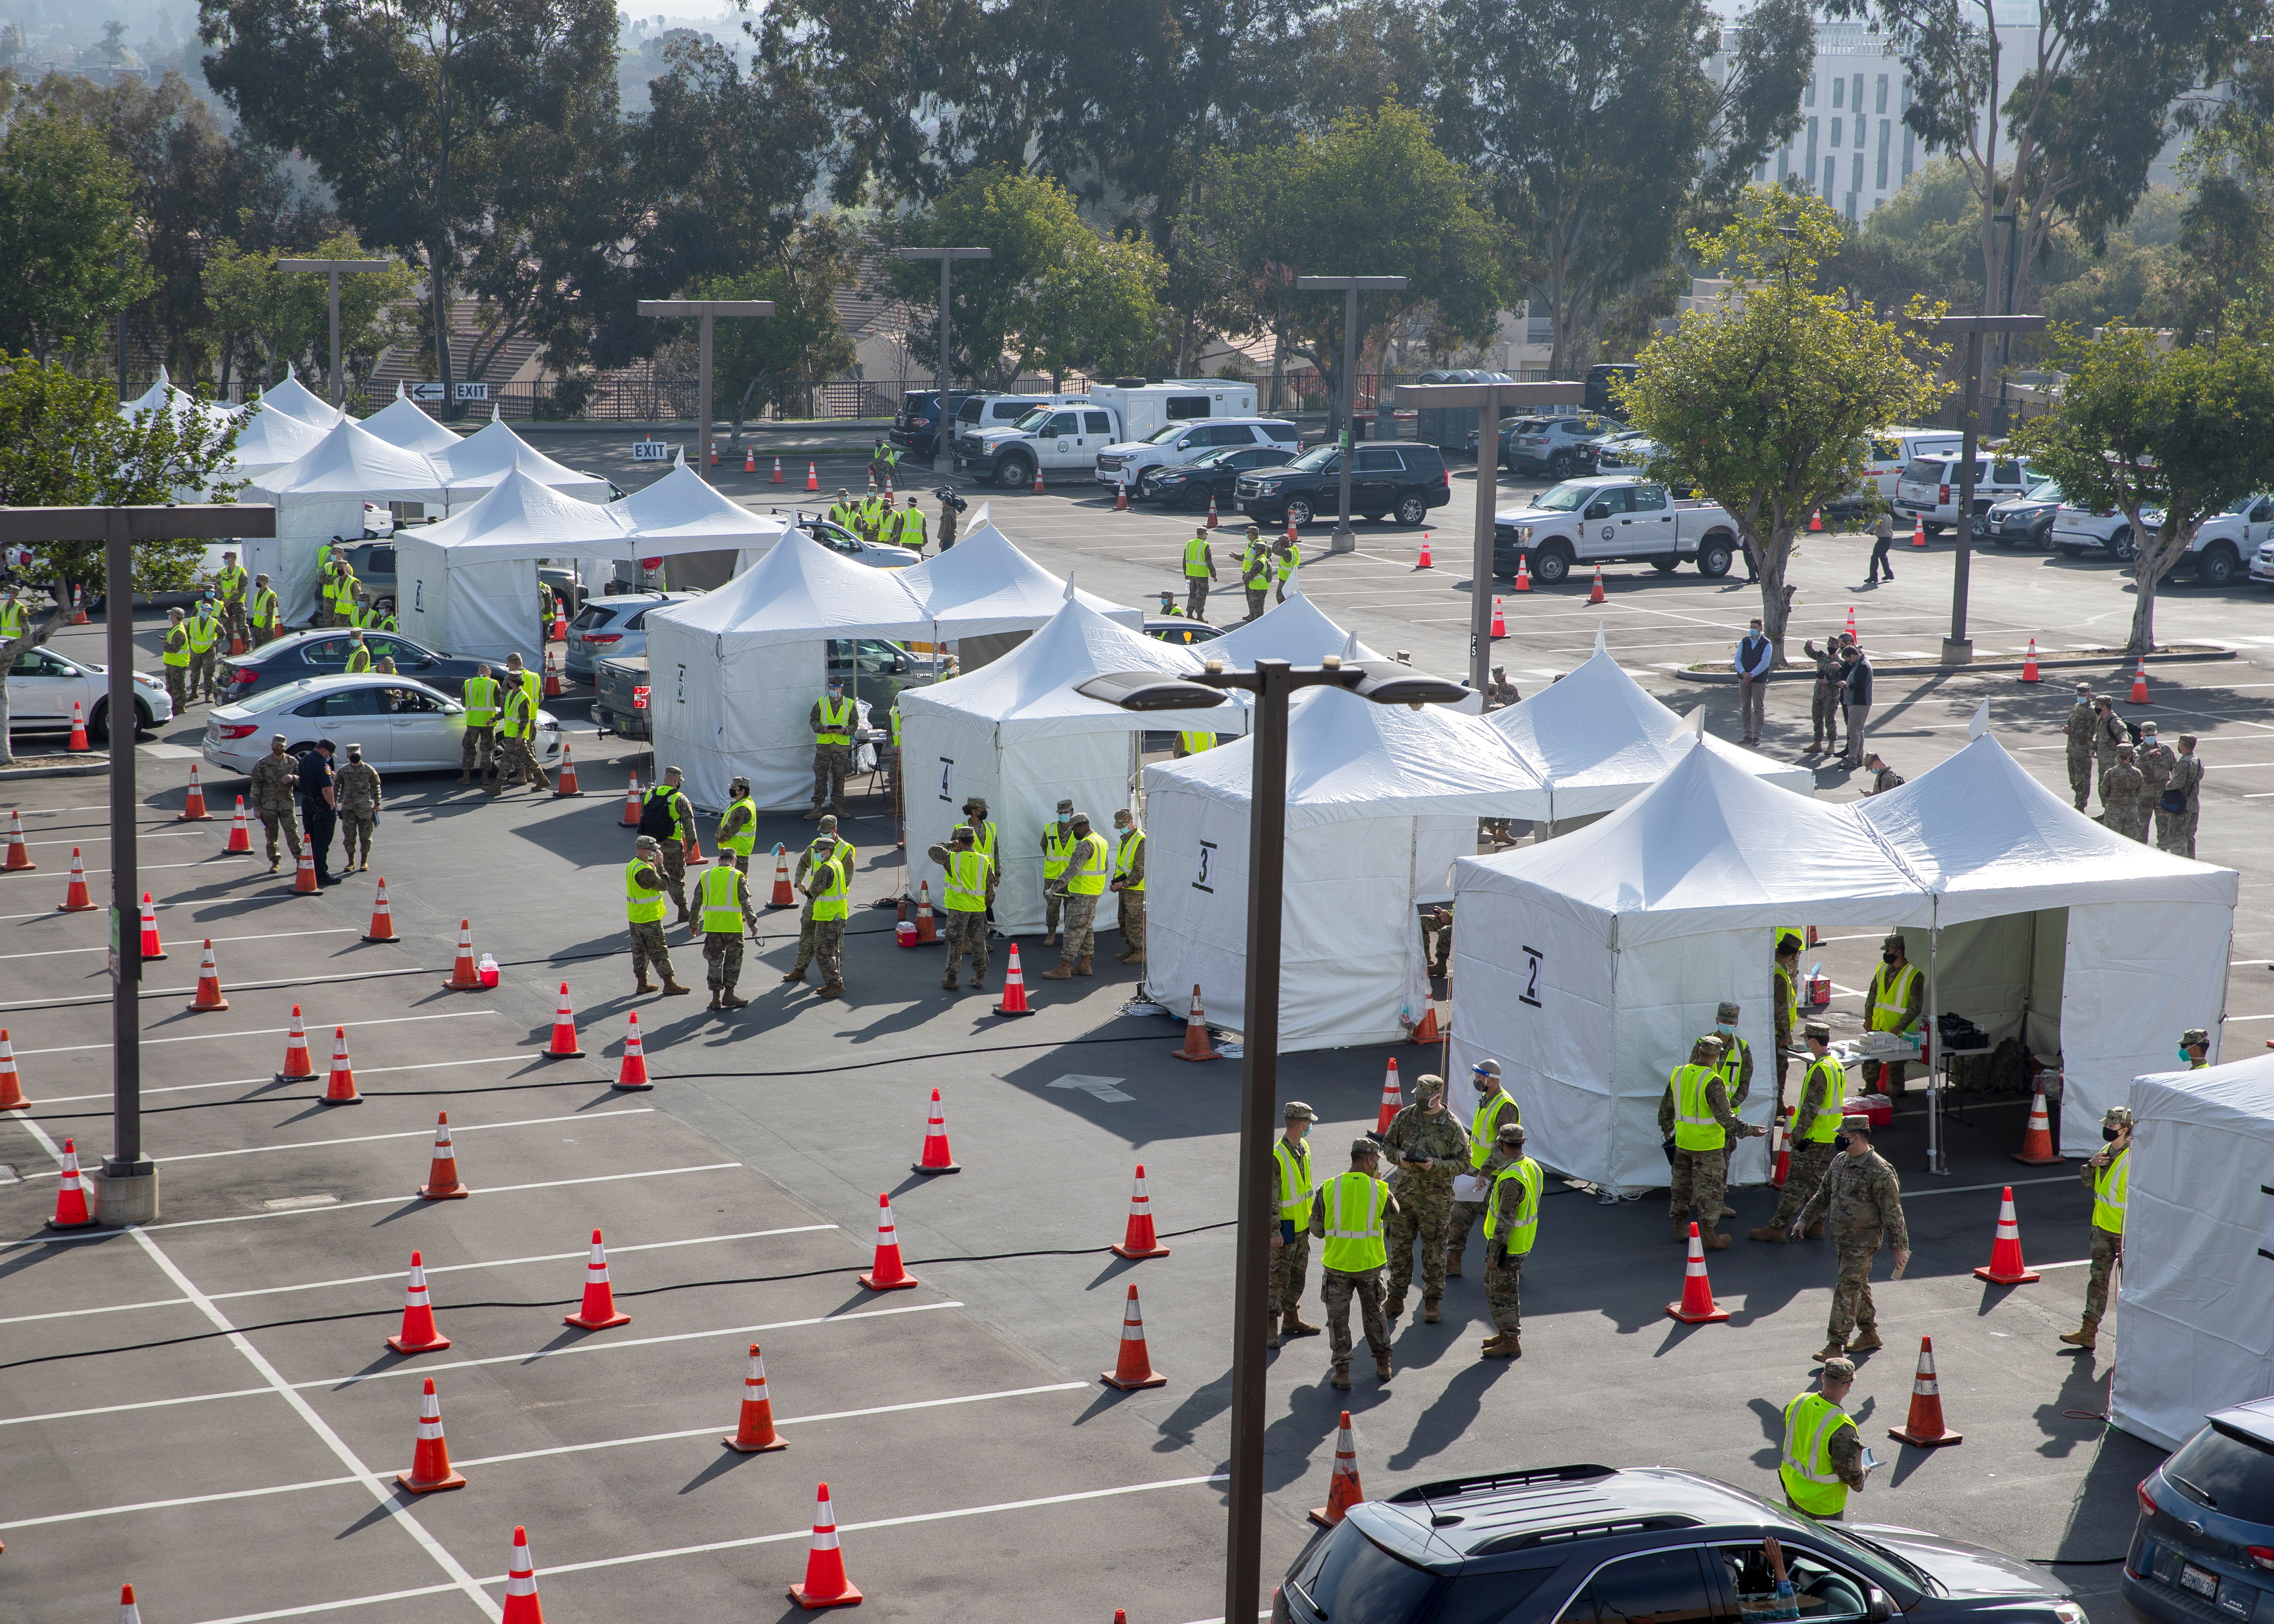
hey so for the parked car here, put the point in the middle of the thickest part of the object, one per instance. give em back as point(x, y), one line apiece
point(1890, 450)
point(916, 427)
point(2222, 542)
point(2079, 531)
point(2203, 1547)
point(1600, 395)
point(1928, 491)
point(612, 627)
point(297, 655)
point(837, 539)
point(374, 563)
point(1181, 629)
point(613, 681)
point(1557, 447)
point(1593, 1543)
point(403, 725)
point(1610, 519)
point(1627, 448)
point(1210, 477)
point(1405, 479)
point(1500, 435)
point(43, 685)
point(2026, 519)
point(1185, 441)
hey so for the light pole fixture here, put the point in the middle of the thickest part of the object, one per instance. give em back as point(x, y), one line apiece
point(706, 310)
point(943, 450)
point(127, 1187)
point(336, 269)
point(1488, 398)
point(1272, 682)
point(1346, 435)
point(1957, 649)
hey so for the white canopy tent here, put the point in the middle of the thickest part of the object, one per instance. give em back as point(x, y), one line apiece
point(1381, 799)
point(483, 458)
point(401, 422)
point(322, 495)
point(1297, 631)
point(682, 513)
point(295, 399)
point(1016, 733)
point(2195, 1317)
point(984, 587)
point(468, 584)
point(272, 440)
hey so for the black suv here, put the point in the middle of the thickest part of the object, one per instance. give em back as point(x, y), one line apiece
point(1404, 479)
point(1577, 1545)
point(916, 428)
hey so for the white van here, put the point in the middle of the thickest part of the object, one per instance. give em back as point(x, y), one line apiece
point(1889, 451)
point(1928, 489)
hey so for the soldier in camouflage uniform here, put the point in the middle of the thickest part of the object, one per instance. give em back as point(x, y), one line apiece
point(2107, 1176)
point(647, 935)
point(276, 795)
point(1506, 1243)
point(1493, 1108)
point(2157, 763)
point(2175, 831)
point(1428, 1147)
point(1821, 1090)
point(827, 847)
point(2121, 807)
point(1337, 1286)
point(1864, 1201)
point(2079, 729)
point(1701, 1177)
point(356, 788)
point(1823, 707)
point(1291, 1187)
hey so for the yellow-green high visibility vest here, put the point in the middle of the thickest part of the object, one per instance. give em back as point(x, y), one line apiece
point(1520, 1182)
point(913, 533)
point(1484, 1127)
point(1056, 852)
point(11, 617)
point(830, 902)
point(231, 582)
point(359, 659)
point(641, 906)
point(1820, 1128)
point(982, 840)
point(1695, 1125)
point(745, 840)
point(722, 909)
point(1255, 569)
point(1732, 1068)
point(1125, 857)
point(517, 722)
point(1810, 1482)
point(1294, 1180)
point(2111, 1186)
point(836, 721)
point(1086, 866)
point(1196, 742)
point(265, 607)
point(1287, 561)
point(176, 650)
point(533, 686)
point(204, 629)
point(1788, 986)
point(1891, 994)
point(967, 880)
point(1354, 1202)
point(1196, 563)
point(481, 702)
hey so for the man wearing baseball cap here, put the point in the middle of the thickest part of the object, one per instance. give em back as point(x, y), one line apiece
point(1351, 1215)
point(1822, 1455)
point(1290, 1219)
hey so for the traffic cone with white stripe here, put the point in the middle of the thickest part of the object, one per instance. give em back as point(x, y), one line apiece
point(886, 1273)
point(812, 476)
point(631, 814)
point(78, 744)
point(12, 1085)
point(430, 1460)
point(1197, 1046)
point(383, 916)
point(1918, 533)
point(750, 463)
point(1851, 618)
point(1015, 987)
point(600, 1310)
point(299, 1065)
point(75, 898)
point(442, 1174)
point(2037, 1140)
point(1523, 573)
point(341, 1089)
point(1595, 593)
point(566, 785)
point(2006, 1266)
point(128, 1612)
point(825, 1584)
point(1213, 523)
point(778, 478)
point(209, 996)
point(1342, 1491)
point(1779, 1152)
point(1696, 1306)
point(783, 897)
point(193, 809)
point(419, 1334)
point(521, 1603)
point(1923, 1427)
point(1392, 1100)
point(1139, 1241)
point(632, 1073)
point(1135, 1367)
point(464, 976)
point(1422, 561)
point(19, 860)
point(1500, 620)
point(564, 1045)
point(78, 608)
point(304, 883)
point(1038, 478)
point(152, 947)
point(240, 834)
point(2139, 694)
point(74, 1207)
point(694, 857)
point(1121, 497)
point(2030, 664)
point(754, 1433)
point(927, 927)
point(935, 1158)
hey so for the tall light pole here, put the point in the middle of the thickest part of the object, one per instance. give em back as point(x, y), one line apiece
point(1272, 682)
point(1488, 398)
point(706, 309)
point(337, 268)
point(1957, 649)
point(1350, 287)
point(943, 449)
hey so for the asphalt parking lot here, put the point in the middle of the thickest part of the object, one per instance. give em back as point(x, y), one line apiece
point(206, 1407)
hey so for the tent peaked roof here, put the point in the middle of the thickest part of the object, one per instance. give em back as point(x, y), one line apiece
point(985, 585)
point(521, 517)
point(350, 460)
point(800, 593)
point(401, 422)
point(294, 399)
point(682, 513)
point(494, 450)
point(270, 439)
point(152, 398)
point(1297, 630)
point(1035, 681)
point(1980, 830)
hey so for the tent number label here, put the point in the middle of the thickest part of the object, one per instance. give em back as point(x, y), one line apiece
point(1199, 880)
point(2266, 1241)
point(946, 772)
point(418, 596)
point(1531, 993)
point(682, 682)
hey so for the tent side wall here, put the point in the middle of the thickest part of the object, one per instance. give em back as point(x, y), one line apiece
point(948, 756)
point(1033, 773)
point(2136, 976)
point(474, 610)
point(288, 558)
point(744, 713)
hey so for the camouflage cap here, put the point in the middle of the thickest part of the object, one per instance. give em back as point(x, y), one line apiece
point(976, 803)
point(2084, 690)
point(1296, 1111)
point(961, 831)
point(1709, 1046)
point(828, 823)
point(2195, 1035)
point(647, 843)
point(1066, 806)
point(2116, 1116)
point(1787, 944)
point(1857, 1124)
point(1511, 1133)
point(1364, 1147)
point(1725, 1011)
point(1893, 941)
point(1837, 1369)
point(1429, 1085)
point(1816, 1029)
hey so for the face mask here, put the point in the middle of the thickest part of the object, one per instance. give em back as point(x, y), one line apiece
point(2108, 1135)
point(1727, 1031)
point(1889, 958)
point(2186, 1059)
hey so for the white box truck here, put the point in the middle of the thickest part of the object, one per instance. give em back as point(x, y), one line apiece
point(1072, 434)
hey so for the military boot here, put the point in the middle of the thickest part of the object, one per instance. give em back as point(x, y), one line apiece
point(2086, 1336)
point(1395, 1306)
point(673, 989)
point(727, 1000)
point(1504, 1346)
point(1429, 1311)
point(1832, 1350)
point(1271, 1340)
point(714, 1002)
point(1063, 973)
point(1681, 1231)
point(1452, 1263)
point(1340, 1378)
point(1766, 1232)
point(1816, 1231)
point(1712, 1240)
point(831, 990)
point(1128, 958)
point(1382, 1370)
point(642, 985)
point(948, 980)
point(1292, 1325)
point(1868, 1343)
point(796, 974)
point(1081, 965)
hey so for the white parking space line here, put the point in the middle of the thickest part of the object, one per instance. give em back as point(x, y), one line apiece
point(275, 935)
point(187, 1500)
point(269, 1078)
point(140, 835)
point(258, 1032)
point(549, 1257)
point(148, 1403)
point(161, 992)
point(413, 1133)
point(2010, 1184)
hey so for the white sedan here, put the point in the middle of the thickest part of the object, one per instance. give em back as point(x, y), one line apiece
point(402, 725)
point(42, 685)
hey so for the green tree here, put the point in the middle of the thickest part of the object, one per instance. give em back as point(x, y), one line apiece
point(66, 236)
point(757, 364)
point(2183, 432)
point(1100, 311)
point(283, 317)
point(1764, 403)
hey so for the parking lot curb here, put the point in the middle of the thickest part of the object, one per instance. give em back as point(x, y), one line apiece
point(2116, 658)
point(10, 774)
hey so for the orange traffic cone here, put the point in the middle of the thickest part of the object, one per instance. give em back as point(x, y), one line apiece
point(521, 1601)
point(1807, 937)
point(1038, 479)
point(240, 834)
point(341, 1089)
point(128, 1612)
point(564, 1045)
point(442, 1173)
point(1499, 621)
point(777, 479)
point(560, 633)
point(193, 808)
point(1213, 523)
point(632, 1073)
point(885, 1273)
point(20, 854)
point(209, 994)
point(1342, 1491)
point(1696, 1306)
point(1851, 619)
point(600, 1310)
point(631, 816)
point(1292, 534)
point(1426, 1030)
point(75, 898)
point(299, 1065)
point(714, 456)
point(812, 478)
point(935, 1158)
point(419, 1334)
point(552, 689)
point(2037, 1139)
point(825, 1584)
point(79, 731)
point(1423, 562)
point(754, 1433)
point(151, 948)
point(783, 896)
point(694, 857)
point(1121, 497)
point(750, 461)
point(1595, 593)
point(1924, 1426)
point(1918, 533)
point(74, 1207)
point(567, 784)
point(1392, 1100)
point(382, 917)
point(430, 1459)
point(464, 976)
point(12, 1097)
point(927, 927)
point(78, 608)
point(1197, 1046)
point(304, 883)
point(1816, 521)
point(2139, 694)
point(1779, 1152)
point(1139, 1240)
point(2005, 1266)
point(1135, 1367)
point(2030, 663)
point(1523, 573)
point(1015, 987)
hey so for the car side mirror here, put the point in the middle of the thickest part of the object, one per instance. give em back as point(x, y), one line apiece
point(1598, 511)
point(1880, 1608)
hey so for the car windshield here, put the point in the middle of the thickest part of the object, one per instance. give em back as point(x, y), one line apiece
point(1162, 436)
point(1564, 498)
point(1032, 420)
point(1311, 460)
point(2044, 491)
point(284, 693)
point(2244, 503)
point(1209, 459)
point(2225, 1472)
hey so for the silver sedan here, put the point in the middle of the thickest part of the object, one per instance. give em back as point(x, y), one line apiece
point(403, 725)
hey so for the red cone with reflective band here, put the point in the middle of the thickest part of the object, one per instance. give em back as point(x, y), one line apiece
point(1500, 620)
point(299, 1065)
point(341, 1089)
point(12, 1097)
point(2030, 663)
point(755, 1434)
point(1426, 1030)
point(812, 478)
point(1918, 533)
point(825, 1584)
point(778, 478)
point(75, 898)
point(304, 883)
point(600, 1310)
point(1197, 1046)
point(1134, 1368)
point(1015, 987)
point(2037, 1140)
point(631, 815)
point(418, 1334)
point(78, 743)
point(430, 1462)
point(193, 808)
point(1696, 1306)
point(564, 1045)
point(1851, 619)
point(1121, 497)
point(151, 948)
point(1595, 594)
point(927, 927)
point(885, 1273)
point(209, 994)
point(1139, 1241)
point(1212, 520)
point(1342, 1491)
point(935, 1158)
point(521, 1604)
point(2139, 694)
point(1392, 1100)
point(1816, 521)
point(128, 1612)
point(1038, 479)
point(694, 856)
point(20, 854)
point(464, 976)
point(632, 1074)
point(442, 1174)
point(783, 896)
point(1523, 573)
point(1924, 1426)
point(240, 834)
point(1423, 561)
point(2005, 1266)
point(74, 1203)
point(383, 916)
point(567, 784)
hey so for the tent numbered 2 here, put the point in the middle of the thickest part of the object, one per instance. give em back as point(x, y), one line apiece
point(1531, 993)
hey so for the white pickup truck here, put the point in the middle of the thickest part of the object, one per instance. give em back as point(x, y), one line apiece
point(1070, 435)
point(1612, 519)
